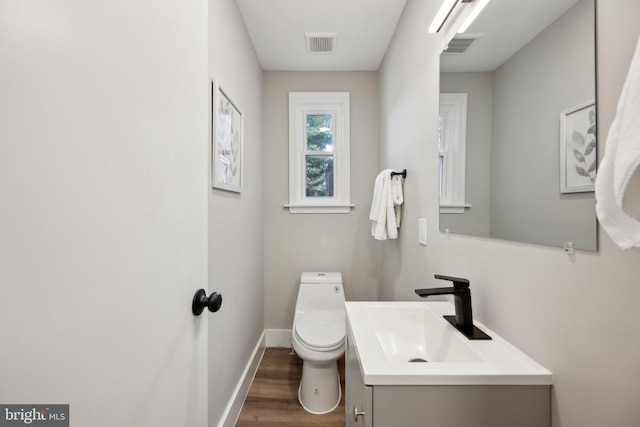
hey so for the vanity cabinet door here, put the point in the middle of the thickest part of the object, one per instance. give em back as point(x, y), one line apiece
point(358, 395)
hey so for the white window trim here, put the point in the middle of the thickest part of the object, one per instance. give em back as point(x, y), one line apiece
point(453, 109)
point(300, 105)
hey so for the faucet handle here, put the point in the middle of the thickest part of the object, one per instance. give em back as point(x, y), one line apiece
point(458, 282)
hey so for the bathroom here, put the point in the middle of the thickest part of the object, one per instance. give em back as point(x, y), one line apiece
point(109, 223)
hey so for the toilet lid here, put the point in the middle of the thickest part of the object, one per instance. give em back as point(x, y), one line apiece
point(321, 329)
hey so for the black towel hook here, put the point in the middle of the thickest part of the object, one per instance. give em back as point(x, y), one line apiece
point(403, 173)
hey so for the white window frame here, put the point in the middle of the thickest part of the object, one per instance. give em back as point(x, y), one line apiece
point(452, 152)
point(302, 104)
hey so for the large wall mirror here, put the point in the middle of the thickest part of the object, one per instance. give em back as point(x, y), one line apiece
point(519, 84)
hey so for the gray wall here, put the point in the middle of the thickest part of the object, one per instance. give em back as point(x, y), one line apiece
point(409, 103)
point(556, 68)
point(575, 315)
point(235, 220)
point(314, 242)
point(479, 90)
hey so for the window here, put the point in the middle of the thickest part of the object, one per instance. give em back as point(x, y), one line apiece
point(319, 152)
point(452, 130)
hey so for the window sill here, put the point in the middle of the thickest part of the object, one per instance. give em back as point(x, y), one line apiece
point(454, 209)
point(314, 209)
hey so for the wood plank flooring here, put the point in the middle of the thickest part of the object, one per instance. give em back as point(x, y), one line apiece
point(273, 397)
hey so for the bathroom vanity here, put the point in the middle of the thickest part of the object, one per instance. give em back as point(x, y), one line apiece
point(407, 366)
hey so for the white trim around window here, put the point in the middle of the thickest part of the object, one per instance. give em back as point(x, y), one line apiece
point(319, 173)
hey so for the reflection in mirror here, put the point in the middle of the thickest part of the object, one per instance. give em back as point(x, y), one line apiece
point(530, 64)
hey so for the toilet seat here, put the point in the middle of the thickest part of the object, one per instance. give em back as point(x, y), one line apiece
point(321, 330)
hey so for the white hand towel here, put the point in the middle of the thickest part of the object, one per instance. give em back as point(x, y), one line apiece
point(625, 136)
point(377, 193)
point(617, 186)
point(398, 197)
point(385, 208)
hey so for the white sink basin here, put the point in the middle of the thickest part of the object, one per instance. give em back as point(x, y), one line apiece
point(410, 343)
point(415, 334)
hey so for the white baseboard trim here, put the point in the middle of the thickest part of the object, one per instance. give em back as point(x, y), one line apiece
point(234, 407)
point(278, 337)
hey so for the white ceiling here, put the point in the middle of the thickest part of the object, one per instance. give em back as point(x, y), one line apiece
point(364, 29)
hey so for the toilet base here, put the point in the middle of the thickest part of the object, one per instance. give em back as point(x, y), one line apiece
point(320, 391)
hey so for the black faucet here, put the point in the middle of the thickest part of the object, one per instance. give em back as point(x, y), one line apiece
point(463, 320)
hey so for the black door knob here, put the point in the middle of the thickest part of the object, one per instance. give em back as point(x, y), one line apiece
point(202, 301)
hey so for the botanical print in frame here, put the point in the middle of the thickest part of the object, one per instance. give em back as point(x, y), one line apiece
point(578, 148)
point(226, 136)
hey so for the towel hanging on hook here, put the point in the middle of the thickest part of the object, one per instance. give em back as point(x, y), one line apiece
point(386, 209)
point(618, 180)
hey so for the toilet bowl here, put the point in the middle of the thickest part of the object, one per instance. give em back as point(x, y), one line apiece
point(318, 337)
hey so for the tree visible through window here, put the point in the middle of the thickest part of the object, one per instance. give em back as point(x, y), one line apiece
point(319, 157)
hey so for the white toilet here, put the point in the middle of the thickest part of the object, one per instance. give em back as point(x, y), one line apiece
point(318, 337)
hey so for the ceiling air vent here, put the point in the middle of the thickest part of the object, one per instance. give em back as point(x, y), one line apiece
point(460, 43)
point(321, 42)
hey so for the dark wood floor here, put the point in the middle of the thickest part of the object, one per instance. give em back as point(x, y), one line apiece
point(273, 396)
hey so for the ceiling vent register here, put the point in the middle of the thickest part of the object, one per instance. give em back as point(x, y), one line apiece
point(321, 42)
point(460, 44)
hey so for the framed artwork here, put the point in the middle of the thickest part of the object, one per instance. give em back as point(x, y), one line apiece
point(226, 141)
point(578, 148)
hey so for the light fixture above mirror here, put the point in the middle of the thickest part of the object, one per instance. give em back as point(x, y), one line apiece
point(455, 16)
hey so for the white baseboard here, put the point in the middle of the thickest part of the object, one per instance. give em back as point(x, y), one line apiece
point(233, 409)
point(269, 338)
point(278, 337)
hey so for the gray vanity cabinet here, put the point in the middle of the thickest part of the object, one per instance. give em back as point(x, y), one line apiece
point(442, 405)
point(358, 395)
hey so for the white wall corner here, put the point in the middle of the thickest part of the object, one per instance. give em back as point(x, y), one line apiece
point(234, 407)
point(278, 338)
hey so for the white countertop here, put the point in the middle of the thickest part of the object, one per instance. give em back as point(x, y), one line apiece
point(384, 335)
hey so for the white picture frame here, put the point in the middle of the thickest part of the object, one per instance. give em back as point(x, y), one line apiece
point(227, 134)
point(578, 148)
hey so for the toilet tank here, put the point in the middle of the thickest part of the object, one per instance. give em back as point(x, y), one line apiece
point(321, 277)
point(320, 291)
